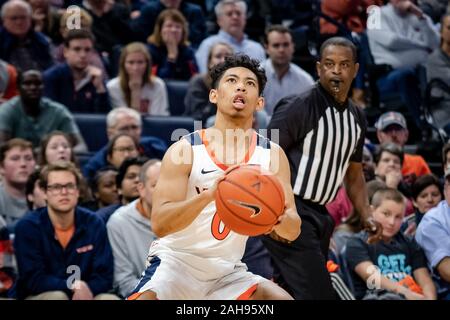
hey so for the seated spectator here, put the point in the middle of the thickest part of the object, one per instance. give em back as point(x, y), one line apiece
point(8, 79)
point(16, 164)
point(392, 127)
point(445, 156)
point(352, 223)
point(394, 261)
point(403, 40)
point(121, 147)
point(388, 161)
point(76, 83)
point(46, 19)
point(129, 121)
point(144, 24)
point(126, 181)
point(104, 188)
point(433, 235)
point(172, 57)
point(95, 59)
point(35, 195)
point(130, 232)
point(283, 77)
point(31, 116)
point(196, 100)
point(20, 45)
point(110, 23)
point(136, 87)
point(426, 193)
point(56, 146)
point(42, 262)
point(231, 18)
point(8, 272)
point(438, 66)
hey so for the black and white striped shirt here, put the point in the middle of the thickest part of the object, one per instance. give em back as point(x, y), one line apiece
point(320, 138)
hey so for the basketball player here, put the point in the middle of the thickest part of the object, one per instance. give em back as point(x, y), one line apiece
point(197, 257)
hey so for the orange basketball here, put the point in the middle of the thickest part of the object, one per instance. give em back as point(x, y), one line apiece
point(249, 201)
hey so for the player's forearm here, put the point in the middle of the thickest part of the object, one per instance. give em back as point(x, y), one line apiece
point(172, 217)
point(290, 227)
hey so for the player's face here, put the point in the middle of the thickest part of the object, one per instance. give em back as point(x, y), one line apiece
point(390, 215)
point(337, 70)
point(237, 94)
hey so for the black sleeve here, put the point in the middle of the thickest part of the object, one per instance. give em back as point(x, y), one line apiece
point(290, 121)
point(357, 251)
point(361, 120)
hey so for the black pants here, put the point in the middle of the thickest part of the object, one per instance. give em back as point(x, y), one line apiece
point(301, 265)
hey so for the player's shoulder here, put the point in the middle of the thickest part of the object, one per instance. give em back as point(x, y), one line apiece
point(180, 153)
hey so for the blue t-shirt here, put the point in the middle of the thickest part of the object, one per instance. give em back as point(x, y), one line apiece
point(395, 259)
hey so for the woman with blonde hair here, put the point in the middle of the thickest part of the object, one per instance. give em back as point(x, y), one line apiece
point(135, 87)
point(173, 58)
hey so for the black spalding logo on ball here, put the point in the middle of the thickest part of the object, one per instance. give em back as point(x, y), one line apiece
point(256, 209)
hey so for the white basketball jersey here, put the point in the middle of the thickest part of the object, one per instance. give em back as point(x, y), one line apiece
point(206, 245)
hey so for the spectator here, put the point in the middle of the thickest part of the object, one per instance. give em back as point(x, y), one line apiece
point(16, 164)
point(196, 100)
point(95, 58)
point(8, 79)
point(35, 195)
point(121, 147)
point(46, 19)
point(403, 40)
point(126, 182)
point(231, 18)
point(438, 66)
point(446, 156)
point(110, 23)
point(433, 235)
point(352, 224)
point(104, 188)
point(426, 194)
point(81, 241)
point(395, 261)
point(31, 116)
point(172, 57)
point(20, 45)
point(392, 127)
point(143, 26)
point(130, 232)
point(76, 83)
point(136, 87)
point(8, 272)
point(129, 121)
point(283, 77)
point(55, 146)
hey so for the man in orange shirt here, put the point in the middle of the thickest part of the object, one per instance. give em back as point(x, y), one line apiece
point(392, 127)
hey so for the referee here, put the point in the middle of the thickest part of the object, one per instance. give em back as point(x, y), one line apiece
point(322, 133)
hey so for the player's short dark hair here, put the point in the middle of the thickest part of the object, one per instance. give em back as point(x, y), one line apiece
point(136, 161)
point(387, 194)
point(235, 61)
point(76, 34)
point(390, 147)
point(339, 41)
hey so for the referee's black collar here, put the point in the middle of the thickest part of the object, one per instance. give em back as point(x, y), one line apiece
point(331, 100)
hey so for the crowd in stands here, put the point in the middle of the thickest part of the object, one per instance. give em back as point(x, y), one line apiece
point(67, 209)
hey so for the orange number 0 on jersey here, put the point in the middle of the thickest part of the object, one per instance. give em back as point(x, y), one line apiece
point(215, 228)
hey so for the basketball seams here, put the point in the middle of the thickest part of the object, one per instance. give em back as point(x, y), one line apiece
point(256, 197)
point(237, 216)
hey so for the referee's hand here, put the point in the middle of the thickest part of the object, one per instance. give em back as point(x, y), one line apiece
point(375, 230)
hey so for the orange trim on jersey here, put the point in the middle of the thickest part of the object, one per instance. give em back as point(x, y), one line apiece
point(247, 294)
point(221, 165)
